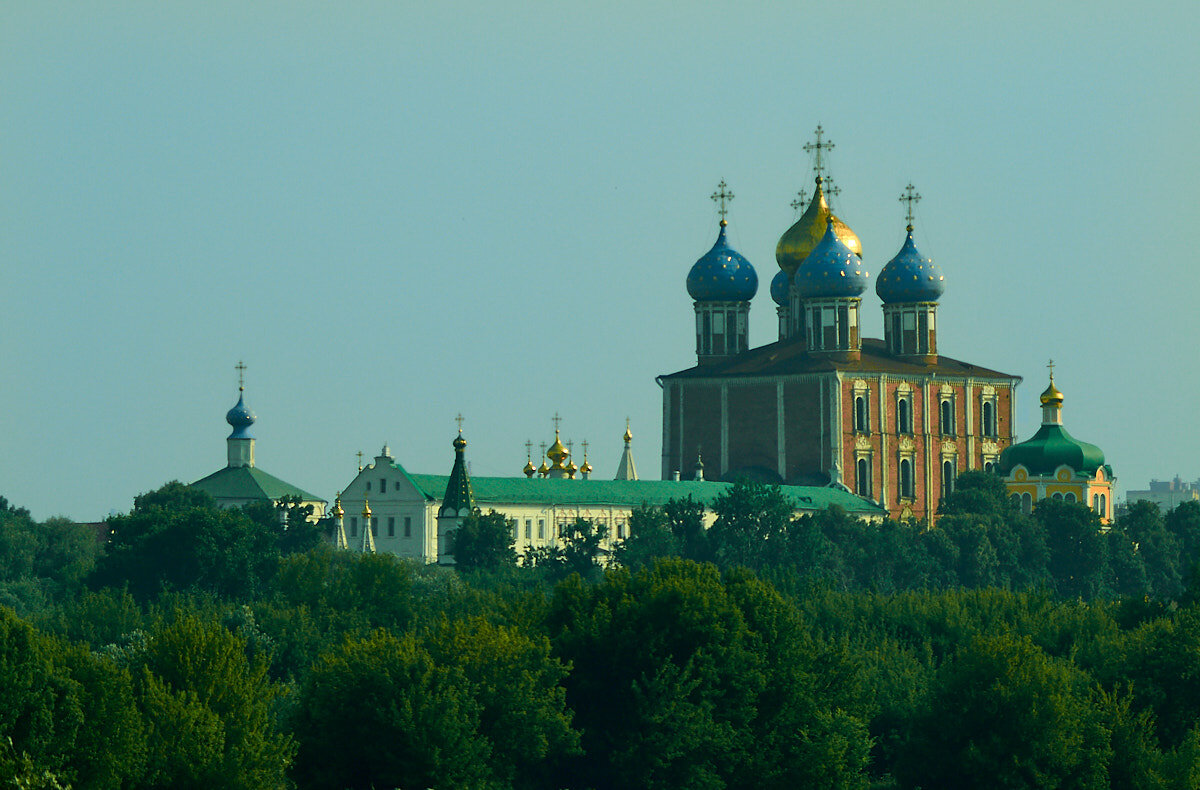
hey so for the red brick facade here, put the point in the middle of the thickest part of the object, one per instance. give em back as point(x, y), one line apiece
point(793, 427)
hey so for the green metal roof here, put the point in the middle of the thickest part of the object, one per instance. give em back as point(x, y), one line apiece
point(1050, 448)
point(249, 482)
point(627, 493)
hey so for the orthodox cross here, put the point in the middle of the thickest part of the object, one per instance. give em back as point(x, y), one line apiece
point(721, 197)
point(542, 449)
point(240, 367)
point(799, 201)
point(831, 190)
point(1050, 365)
point(359, 460)
point(459, 420)
point(528, 449)
point(910, 197)
point(556, 420)
point(570, 446)
point(584, 445)
point(818, 146)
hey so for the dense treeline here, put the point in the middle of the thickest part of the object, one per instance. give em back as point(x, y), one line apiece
point(210, 648)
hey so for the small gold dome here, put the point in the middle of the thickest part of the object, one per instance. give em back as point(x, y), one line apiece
point(628, 437)
point(366, 509)
point(529, 469)
point(1052, 396)
point(337, 507)
point(586, 468)
point(800, 239)
point(572, 469)
point(557, 452)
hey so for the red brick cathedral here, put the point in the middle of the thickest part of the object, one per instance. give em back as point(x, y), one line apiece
point(890, 419)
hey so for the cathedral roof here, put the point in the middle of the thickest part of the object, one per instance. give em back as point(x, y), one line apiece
point(250, 482)
point(1051, 447)
point(722, 274)
point(790, 357)
point(910, 276)
point(832, 269)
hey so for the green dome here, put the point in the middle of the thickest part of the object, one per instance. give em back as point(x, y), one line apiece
point(1050, 448)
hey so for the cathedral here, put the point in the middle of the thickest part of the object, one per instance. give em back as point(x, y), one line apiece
point(891, 419)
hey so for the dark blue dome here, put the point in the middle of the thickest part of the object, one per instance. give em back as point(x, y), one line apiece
point(241, 418)
point(831, 270)
point(779, 288)
point(910, 277)
point(722, 275)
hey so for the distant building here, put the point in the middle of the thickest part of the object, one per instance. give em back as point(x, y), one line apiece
point(241, 482)
point(1053, 464)
point(1167, 494)
point(891, 419)
point(414, 515)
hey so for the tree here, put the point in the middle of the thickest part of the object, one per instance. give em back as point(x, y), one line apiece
point(420, 728)
point(209, 710)
point(176, 538)
point(1183, 521)
point(1003, 714)
point(1158, 548)
point(752, 520)
point(1077, 561)
point(576, 551)
point(484, 542)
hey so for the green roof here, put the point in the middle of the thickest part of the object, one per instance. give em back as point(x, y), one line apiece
point(627, 493)
point(1050, 448)
point(249, 482)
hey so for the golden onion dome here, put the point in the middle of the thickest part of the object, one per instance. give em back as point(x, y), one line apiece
point(529, 469)
point(543, 470)
point(586, 468)
point(800, 239)
point(337, 507)
point(572, 469)
point(628, 437)
point(366, 509)
point(1052, 396)
point(557, 452)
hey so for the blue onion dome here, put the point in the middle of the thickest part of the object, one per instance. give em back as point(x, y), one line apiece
point(722, 274)
point(798, 241)
point(779, 287)
point(910, 277)
point(241, 418)
point(832, 269)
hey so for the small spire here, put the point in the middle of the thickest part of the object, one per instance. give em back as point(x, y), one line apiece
point(722, 197)
point(910, 198)
point(626, 469)
point(819, 147)
point(542, 470)
point(368, 538)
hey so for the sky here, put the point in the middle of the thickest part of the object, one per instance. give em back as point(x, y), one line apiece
point(397, 212)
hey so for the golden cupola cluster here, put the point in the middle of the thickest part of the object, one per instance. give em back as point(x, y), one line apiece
point(559, 455)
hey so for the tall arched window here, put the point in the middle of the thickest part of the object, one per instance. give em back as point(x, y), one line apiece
point(1016, 501)
point(1058, 497)
point(906, 478)
point(947, 478)
point(903, 416)
point(1026, 503)
point(862, 480)
point(860, 414)
point(1070, 497)
point(989, 418)
point(947, 417)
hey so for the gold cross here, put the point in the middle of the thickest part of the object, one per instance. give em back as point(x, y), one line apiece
point(910, 197)
point(1050, 365)
point(818, 146)
point(799, 201)
point(556, 420)
point(528, 449)
point(584, 445)
point(360, 460)
point(721, 197)
point(459, 420)
point(240, 367)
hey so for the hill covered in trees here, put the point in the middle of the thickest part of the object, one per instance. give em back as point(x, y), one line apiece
point(202, 647)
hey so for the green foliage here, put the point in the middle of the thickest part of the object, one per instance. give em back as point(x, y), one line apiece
point(1077, 564)
point(1003, 714)
point(752, 520)
point(209, 710)
point(176, 538)
point(484, 542)
point(381, 712)
point(576, 551)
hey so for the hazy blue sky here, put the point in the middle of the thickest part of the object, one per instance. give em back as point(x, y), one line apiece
point(394, 212)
